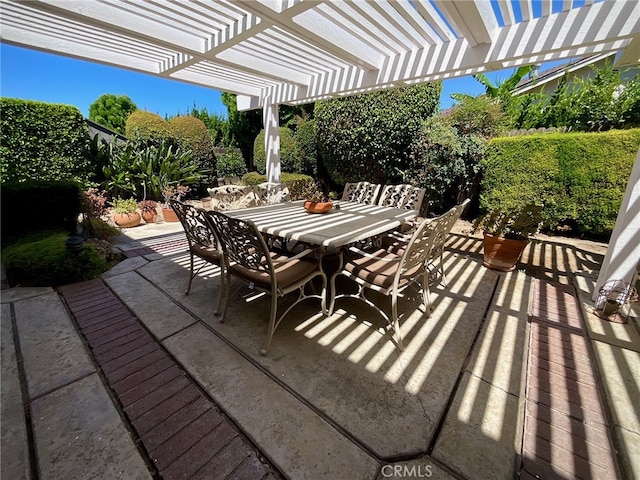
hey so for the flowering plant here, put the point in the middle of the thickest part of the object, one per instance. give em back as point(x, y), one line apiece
point(148, 205)
point(175, 192)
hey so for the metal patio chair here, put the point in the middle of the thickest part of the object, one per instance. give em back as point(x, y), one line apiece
point(361, 192)
point(202, 241)
point(276, 273)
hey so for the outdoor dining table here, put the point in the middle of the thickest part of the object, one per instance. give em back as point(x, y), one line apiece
point(344, 225)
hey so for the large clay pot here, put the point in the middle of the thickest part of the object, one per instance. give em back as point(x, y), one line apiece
point(127, 220)
point(169, 215)
point(318, 207)
point(502, 254)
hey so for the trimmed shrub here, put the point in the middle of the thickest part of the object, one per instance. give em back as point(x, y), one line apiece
point(38, 205)
point(255, 178)
point(306, 139)
point(289, 156)
point(231, 163)
point(367, 137)
point(42, 141)
point(190, 133)
point(111, 111)
point(579, 178)
point(45, 261)
point(148, 126)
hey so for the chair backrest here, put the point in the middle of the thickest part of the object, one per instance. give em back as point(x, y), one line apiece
point(194, 223)
point(241, 242)
point(402, 196)
point(361, 192)
point(446, 221)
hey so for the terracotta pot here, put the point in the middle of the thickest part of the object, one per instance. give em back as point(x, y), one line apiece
point(169, 215)
point(127, 220)
point(149, 215)
point(318, 207)
point(502, 254)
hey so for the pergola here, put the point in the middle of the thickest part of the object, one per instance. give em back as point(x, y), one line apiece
point(272, 52)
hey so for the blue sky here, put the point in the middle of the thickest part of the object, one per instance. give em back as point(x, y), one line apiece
point(33, 75)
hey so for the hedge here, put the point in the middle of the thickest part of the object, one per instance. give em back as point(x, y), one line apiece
point(579, 178)
point(42, 141)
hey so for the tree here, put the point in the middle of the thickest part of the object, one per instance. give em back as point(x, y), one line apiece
point(111, 111)
point(244, 126)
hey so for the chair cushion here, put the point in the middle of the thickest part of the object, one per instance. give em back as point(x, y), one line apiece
point(377, 271)
point(287, 273)
point(208, 253)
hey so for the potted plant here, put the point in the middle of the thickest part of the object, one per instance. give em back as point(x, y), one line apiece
point(148, 210)
point(125, 212)
point(506, 233)
point(172, 192)
point(315, 201)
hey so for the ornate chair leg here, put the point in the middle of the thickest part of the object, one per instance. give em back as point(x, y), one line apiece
point(272, 325)
point(190, 274)
point(221, 291)
point(396, 323)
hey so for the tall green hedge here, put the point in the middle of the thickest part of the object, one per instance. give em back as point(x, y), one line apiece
point(289, 156)
point(42, 141)
point(579, 178)
point(368, 136)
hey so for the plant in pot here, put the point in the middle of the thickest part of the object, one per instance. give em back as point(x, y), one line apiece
point(125, 212)
point(172, 192)
point(148, 210)
point(506, 233)
point(315, 201)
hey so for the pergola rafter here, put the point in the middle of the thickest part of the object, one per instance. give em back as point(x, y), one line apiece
point(297, 51)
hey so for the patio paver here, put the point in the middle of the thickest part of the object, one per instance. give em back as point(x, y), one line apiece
point(181, 429)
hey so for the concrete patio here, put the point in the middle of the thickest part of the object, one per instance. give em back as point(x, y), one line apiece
point(512, 375)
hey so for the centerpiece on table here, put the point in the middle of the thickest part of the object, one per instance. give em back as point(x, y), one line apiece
point(315, 200)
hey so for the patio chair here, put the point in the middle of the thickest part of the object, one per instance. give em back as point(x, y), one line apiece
point(391, 272)
point(361, 192)
point(402, 196)
point(202, 242)
point(397, 243)
point(277, 274)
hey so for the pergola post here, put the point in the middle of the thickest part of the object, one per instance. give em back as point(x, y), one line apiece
point(272, 141)
point(623, 252)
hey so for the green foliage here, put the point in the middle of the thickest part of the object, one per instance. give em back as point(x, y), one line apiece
point(42, 141)
point(287, 179)
point(142, 170)
point(46, 261)
point(36, 205)
point(445, 163)
point(231, 163)
point(190, 133)
point(598, 103)
point(504, 88)
point(244, 126)
point(122, 205)
point(367, 137)
point(98, 228)
point(513, 222)
point(217, 125)
point(147, 126)
point(111, 111)
point(289, 155)
point(480, 115)
point(307, 143)
point(579, 178)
